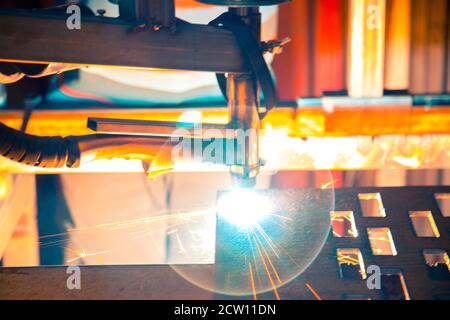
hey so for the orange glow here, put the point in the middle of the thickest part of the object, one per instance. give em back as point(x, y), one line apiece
point(310, 288)
point(350, 137)
point(366, 48)
point(398, 45)
point(269, 275)
point(303, 122)
point(329, 184)
point(190, 4)
point(252, 281)
point(6, 184)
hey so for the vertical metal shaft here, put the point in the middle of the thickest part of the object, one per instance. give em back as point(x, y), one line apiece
point(243, 106)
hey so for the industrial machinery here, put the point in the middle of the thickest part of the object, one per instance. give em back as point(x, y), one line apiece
point(163, 42)
point(312, 240)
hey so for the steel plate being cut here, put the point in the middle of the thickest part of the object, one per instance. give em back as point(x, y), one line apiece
point(264, 239)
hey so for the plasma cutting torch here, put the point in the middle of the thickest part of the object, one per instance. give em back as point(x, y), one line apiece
point(229, 45)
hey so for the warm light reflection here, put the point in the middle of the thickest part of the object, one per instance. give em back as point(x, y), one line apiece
point(288, 153)
point(264, 239)
point(366, 48)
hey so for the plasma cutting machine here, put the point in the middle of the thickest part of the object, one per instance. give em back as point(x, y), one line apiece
point(298, 243)
point(146, 35)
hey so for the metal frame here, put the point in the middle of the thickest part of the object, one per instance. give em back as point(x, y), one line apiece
point(153, 39)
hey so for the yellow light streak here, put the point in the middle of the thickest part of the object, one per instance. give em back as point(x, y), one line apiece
point(310, 288)
point(252, 281)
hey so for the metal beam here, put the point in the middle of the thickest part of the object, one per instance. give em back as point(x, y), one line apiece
point(43, 37)
point(125, 282)
point(157, 128)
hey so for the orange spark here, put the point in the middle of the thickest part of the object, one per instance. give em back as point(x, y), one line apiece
point(316, 295)
point(329, 184)
point(252, 281)
point(270, 260)
point(268, 273)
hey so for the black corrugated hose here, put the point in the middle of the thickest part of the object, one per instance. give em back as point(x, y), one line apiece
point(43, 152)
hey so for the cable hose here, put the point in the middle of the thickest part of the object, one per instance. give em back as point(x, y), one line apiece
point(43, 152)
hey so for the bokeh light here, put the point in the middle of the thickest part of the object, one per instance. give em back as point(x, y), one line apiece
point(243, 207)
point(264, 239)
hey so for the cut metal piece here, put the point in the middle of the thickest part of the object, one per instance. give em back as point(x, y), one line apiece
point(381, 242)
point(424, 224)
point(438, 263)
point(443, 200)
point(351, 263)
point(372, 205)
point(343, 224)
point(393, 285)
point(435, 257)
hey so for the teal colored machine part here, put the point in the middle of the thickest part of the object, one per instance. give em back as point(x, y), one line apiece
point(71, 92)
point(2, 96)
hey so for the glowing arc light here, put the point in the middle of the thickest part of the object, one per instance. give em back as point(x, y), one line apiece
point(243, 208)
